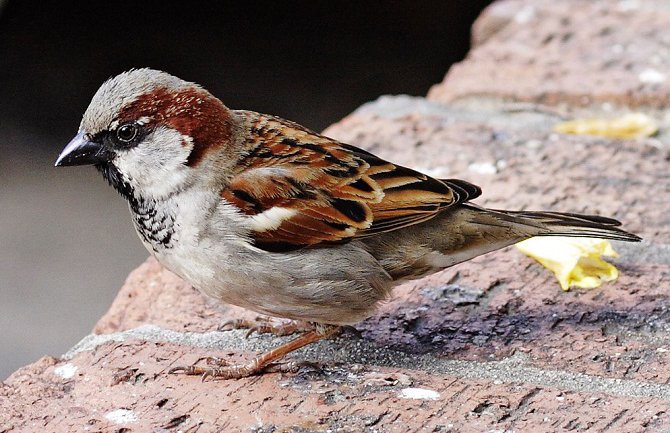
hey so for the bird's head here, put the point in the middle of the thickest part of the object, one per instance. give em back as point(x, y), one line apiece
point(148, 132)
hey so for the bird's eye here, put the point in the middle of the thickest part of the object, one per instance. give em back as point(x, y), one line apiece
point(127, 132)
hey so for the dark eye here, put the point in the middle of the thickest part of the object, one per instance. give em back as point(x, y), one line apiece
point(127, 132)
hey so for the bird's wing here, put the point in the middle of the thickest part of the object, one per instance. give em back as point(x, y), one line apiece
point(301, 189)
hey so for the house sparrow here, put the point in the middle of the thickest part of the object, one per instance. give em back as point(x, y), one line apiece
point(263, 213)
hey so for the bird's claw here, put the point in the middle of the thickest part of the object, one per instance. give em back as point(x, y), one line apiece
point(220, 369)
point(263, 325)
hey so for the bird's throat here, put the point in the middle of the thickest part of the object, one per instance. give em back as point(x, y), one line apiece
point(114, 177)
point(152, 219)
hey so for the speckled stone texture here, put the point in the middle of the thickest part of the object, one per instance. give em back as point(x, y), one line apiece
point(569, 51)
point(489, 345)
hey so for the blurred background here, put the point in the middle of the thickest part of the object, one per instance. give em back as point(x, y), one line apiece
point(66, 240)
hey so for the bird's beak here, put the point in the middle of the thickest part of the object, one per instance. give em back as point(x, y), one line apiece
point(82, 151)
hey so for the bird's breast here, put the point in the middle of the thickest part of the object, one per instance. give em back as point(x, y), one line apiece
point(189, 233)
point(155, 224)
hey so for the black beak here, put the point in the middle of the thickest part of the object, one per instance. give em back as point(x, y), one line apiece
point(82, 151)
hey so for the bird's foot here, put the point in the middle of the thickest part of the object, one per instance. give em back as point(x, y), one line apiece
point(222, 369)
point(265, 363)
point(263, 325)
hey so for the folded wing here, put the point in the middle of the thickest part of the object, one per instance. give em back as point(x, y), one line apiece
point(303, 189)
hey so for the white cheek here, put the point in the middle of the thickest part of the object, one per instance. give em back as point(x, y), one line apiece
point(156, 165)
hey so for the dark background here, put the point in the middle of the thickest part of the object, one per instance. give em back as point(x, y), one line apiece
point(66, 242)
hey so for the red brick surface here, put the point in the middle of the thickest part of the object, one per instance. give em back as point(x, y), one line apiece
point(343, 399)
point(495, 341)
point(572, 51)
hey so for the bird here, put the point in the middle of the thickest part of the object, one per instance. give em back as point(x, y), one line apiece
point(263, 213)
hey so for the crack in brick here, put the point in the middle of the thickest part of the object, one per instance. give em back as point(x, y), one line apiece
point(614, 420)
point(521, 408)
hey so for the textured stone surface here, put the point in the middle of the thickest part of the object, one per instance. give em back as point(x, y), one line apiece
point(496, 338)
point(489, 345)
point(572, 51)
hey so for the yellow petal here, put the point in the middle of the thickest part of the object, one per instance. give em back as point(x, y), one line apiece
point(576, 262)
point(631, 125)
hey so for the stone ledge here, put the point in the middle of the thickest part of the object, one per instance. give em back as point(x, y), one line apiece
point(573, 52)
point(357, 352)
point(495, 337)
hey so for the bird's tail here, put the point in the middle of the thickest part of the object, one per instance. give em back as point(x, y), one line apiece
point(569, 224)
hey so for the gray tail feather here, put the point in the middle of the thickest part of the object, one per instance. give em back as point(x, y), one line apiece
point(572, 224)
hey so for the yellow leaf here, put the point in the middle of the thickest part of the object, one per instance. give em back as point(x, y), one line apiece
point(631, 125)
point(576, 262)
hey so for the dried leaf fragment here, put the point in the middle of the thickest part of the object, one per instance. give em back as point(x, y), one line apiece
point(576, 262)
point(631, 125)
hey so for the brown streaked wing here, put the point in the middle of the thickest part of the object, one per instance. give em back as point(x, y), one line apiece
point(410, 197)
point(302, 189)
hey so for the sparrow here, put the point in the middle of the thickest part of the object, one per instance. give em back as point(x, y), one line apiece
point(260, 212)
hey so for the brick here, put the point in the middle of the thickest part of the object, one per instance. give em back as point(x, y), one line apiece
point(573, 52)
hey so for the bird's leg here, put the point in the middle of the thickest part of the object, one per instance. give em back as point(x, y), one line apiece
point(262, 363)
point(263, 325)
